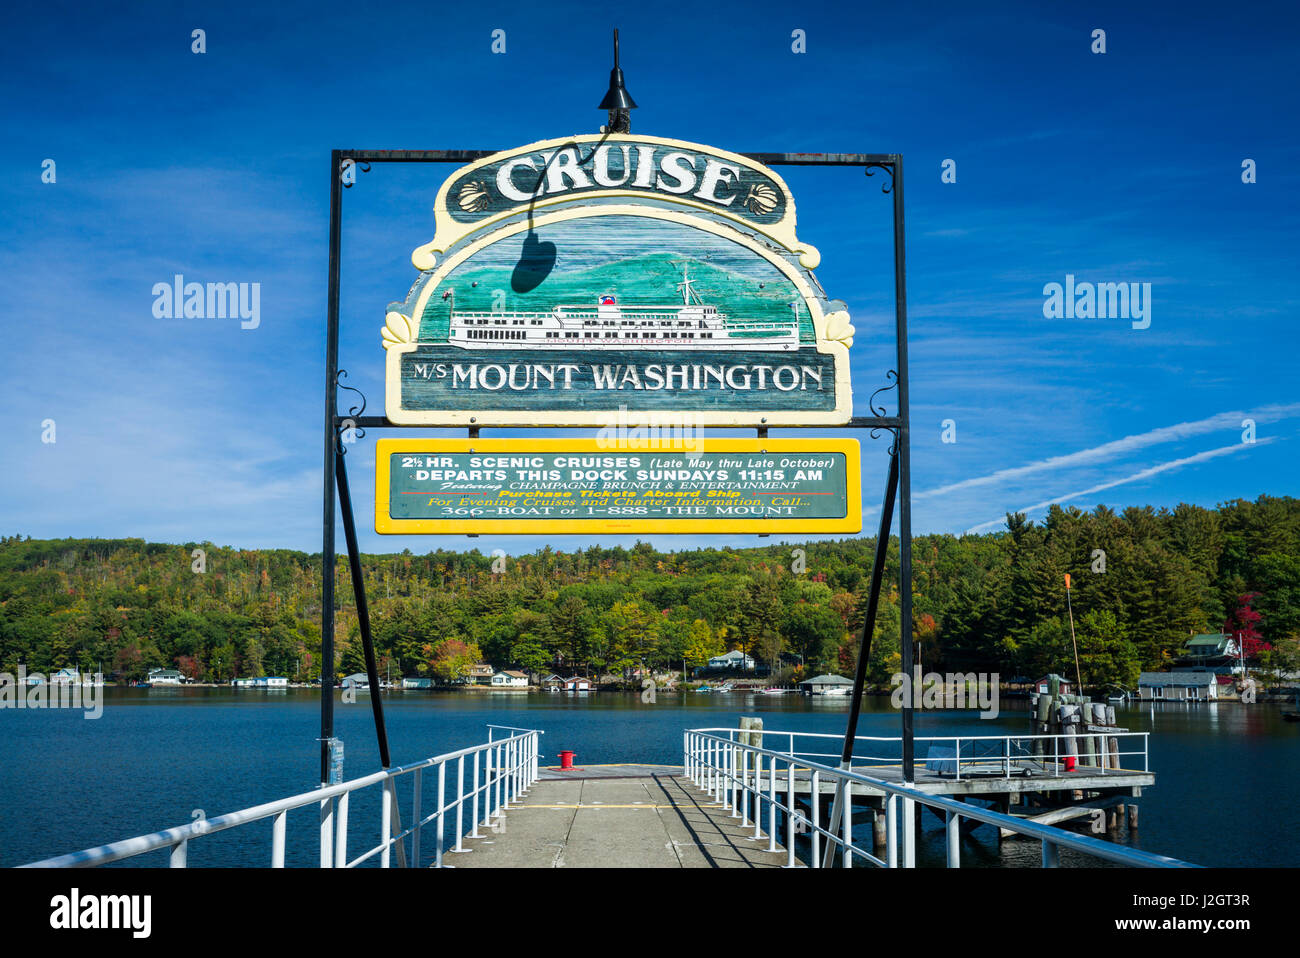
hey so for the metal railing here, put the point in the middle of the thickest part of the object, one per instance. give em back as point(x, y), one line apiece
point(983, 756)
point(499, 772)
point(744, 776)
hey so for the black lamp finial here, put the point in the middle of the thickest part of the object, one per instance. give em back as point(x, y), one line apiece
point(617, 100)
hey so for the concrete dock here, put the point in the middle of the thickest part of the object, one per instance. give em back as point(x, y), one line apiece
point(616, 817)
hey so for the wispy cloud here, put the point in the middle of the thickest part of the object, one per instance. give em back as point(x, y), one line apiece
point(1135, 477)
point(1119, 447)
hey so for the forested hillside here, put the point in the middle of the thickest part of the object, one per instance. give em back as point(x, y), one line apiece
point(992, 602)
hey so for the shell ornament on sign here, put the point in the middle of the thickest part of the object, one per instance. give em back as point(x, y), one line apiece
point(838, 327)
point(762, 199)
point(473, 197)
point(399, 329)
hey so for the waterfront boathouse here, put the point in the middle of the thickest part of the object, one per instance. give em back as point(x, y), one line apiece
point(1177, 686)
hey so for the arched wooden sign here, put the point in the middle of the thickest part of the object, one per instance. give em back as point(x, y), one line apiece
point(573, 281)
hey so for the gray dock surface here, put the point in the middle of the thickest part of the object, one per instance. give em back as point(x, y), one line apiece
point(616, 816)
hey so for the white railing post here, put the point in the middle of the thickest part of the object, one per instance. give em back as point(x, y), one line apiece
point(846, 816)
point(958, 759)
point(341, 831)
point(1006, 747)
point(909, 832)
point(497, 762)
point(277, 840)
point(771, 806)
point(789, 814)
point(385, 824)
point(327, 833)
point(891, 831)
point(744, 788)
point(179, 853)
point(758, 796)
point(416, 820)
point(953, 829)
point(815, 803)
point(473, 828)
point(460, 801)
point(442, 808)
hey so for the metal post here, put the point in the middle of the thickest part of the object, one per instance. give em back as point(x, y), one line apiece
point(416, 819)
point(847, 851)
point(180, 852)
point(744, 789)
point(460, 801)
point(909, 833)
point(498, 762)
point(363, 608)
point(814, 802)
point(341, 832)
point(771, 806)
point(953, 821)
point(891, 831)
point(277, 840)
point(789, 814)
point(327, 518)
point(385, 826)
point(442, 806)
point(473, 828)
point(868, 626)
point(1051, 854)
point(327, 833)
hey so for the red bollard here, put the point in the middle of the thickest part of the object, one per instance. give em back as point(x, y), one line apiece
point(1069, 763)
point(566, 760)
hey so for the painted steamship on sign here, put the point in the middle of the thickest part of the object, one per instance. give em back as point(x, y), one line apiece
point(573, 278)
point(690, 324)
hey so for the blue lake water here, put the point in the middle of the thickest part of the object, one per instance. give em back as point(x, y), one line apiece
point(1227, 774)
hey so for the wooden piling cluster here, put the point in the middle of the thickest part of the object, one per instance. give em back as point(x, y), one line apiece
point(1089, 728)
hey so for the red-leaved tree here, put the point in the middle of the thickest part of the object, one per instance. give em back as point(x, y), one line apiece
point(1241, 625)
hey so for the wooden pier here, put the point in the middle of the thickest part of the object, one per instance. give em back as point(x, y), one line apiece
point(616, 816)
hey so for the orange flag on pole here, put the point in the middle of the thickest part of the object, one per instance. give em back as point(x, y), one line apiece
point(1067, 580)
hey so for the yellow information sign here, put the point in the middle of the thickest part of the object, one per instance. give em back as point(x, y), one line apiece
point(640, 485)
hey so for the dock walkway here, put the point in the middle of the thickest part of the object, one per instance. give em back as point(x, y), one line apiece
point(616, 817)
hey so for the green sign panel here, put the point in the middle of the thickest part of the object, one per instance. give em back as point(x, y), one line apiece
point(520, 486)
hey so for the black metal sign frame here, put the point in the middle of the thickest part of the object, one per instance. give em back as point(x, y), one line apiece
point(348, 163)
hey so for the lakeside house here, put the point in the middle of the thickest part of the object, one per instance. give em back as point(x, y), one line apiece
point(357, 681)
point(480, 673)
point(165, 677)
point(1177, 686)
point(826, 685)
point(65, 676)
point(417, 683)
point(735, 659)
point(1209, 648)
point(510, 679)
point(552, 681)
point(577, 684)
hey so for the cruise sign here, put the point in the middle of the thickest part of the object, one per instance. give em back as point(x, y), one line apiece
point(574, 281)
point(655, 485)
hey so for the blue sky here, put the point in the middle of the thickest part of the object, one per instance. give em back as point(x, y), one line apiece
point(1118, 167)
